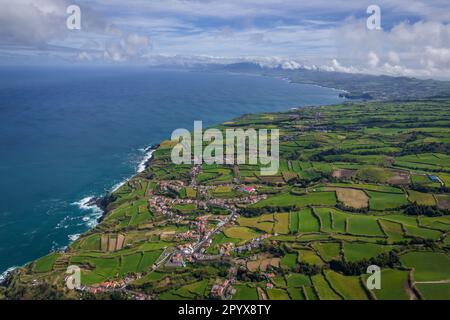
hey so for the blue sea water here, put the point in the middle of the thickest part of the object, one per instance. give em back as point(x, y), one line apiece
point(68, 134)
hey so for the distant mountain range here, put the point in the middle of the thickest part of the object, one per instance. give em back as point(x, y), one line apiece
point(356, 86)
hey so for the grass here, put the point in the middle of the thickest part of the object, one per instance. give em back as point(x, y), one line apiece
point(435, 291)
point(328, 250)
point(296, 293)
point(393, 283)
point(308, 221)
point(277, 294)
point(441, 223)
point(185, 208)
point(242, 233)
point(314, 232)
point(394, 230)
point(130, 263)
point(287, 199)
point(293, 222)
point(244, 292)
point(309, 256)
point(428, 266)
point(289, 260)
point(104, 268)
point(325, 218)
point(323, 289)
point(422, 233)
point(45, 264)
point(337, 219)
point(380, 201)
point(297, 280)
point(363, 250)
point(421, 198)
point(364, 225)
point(349, 287)
point(193, 290)
point(368, 187)
point(148, 259)
point(91, 243)
point(374, 174)
point(264, 222)
point(281, 223)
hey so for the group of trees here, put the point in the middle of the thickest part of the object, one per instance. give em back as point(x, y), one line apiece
point(421, 210)
point(353, 268)
point(253, 211)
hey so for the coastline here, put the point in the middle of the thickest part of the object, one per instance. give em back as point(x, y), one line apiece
point(103, 201)
point(342, 94)
point(96, 205)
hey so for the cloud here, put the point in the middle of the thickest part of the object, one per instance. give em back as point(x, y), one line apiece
point(421, 48)
point(289, 33)
point(32, 22)
point(373, 59)
point(130, 46)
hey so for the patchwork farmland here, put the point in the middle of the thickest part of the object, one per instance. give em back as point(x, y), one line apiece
point(359, 184)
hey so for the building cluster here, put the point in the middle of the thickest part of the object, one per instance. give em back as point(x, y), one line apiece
point(225, 249)
point(116, 285)
point(171, 184)
point(254, 244)
point(244, 188)
point(223, 290)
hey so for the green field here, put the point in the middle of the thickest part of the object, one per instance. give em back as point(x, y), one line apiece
point(242, 233)
point(45, 264)
point(328, 250)
point(383, 201)
point(349, 287)
point(324, 290)
point(435, 291)
point(244, 292)
point(428, 266)
point(310, 245)
point(314, 198)
point(308, 221)
point(393, 283)
point(363, 250)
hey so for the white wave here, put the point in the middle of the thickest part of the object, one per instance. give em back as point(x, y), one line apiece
point(118, 185)
point(84, 203)
point(74, 237)
point(140, 167)
point(148, 155)
point(95, 212)
point(5, 273)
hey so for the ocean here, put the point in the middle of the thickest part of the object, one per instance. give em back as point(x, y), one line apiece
point(70, 134)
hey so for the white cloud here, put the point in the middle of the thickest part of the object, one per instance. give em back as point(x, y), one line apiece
point(32, 22)
point(393, 57)
point(288, 32)
point(373, 59)
point(413, 49)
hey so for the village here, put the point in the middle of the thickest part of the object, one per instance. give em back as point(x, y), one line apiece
point(197, 239)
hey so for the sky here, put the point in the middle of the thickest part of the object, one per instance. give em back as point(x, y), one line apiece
point(414, 38)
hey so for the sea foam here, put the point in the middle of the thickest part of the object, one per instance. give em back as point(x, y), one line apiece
point(91, 219)
point(5, 273)
point(148, 155)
